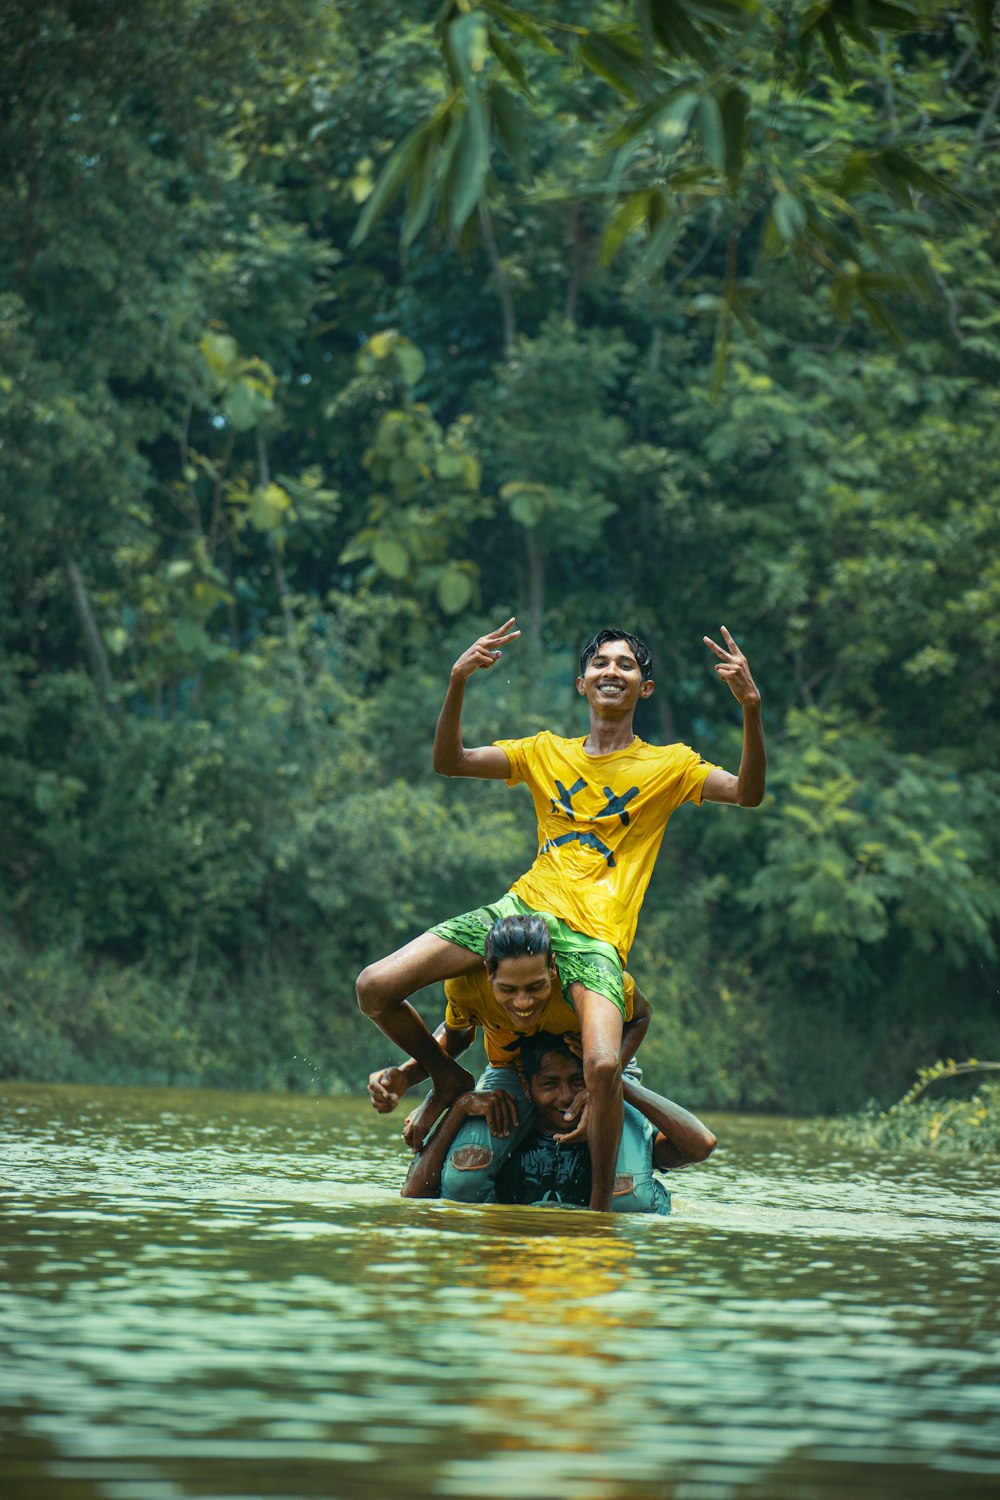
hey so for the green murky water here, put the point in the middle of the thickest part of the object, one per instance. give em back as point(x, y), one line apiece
point(223, 1295)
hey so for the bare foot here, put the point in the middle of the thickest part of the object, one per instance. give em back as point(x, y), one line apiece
point(417, 1125)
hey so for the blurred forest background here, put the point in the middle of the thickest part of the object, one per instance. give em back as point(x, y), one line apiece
point(333, 333)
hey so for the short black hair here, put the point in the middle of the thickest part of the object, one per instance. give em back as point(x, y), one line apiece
point(534, 1048)
point(516, 937)
point(640, 650)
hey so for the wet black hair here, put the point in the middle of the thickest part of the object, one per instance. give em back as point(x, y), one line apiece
point(516, 937)
point(534, 1048)
point(640, 650)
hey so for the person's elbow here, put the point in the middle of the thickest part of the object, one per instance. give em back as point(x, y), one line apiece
point(750, 799)
point(698, 1145)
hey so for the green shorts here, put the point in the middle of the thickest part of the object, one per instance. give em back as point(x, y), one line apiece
point(579, 959)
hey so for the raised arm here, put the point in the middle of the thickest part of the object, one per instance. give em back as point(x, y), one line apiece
point(451, 758)
point(386, 1086)
point(682, 1137)
point(746, 789)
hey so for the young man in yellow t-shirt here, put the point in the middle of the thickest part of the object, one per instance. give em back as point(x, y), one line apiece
point(514, 996)
point(602, 804)
point(515, 993)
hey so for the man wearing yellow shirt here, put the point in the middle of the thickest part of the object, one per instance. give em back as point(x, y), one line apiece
point(602, 804)
point(514, 995)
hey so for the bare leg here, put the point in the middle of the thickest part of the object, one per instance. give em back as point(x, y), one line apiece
point(383, 990)
point(601, 1032)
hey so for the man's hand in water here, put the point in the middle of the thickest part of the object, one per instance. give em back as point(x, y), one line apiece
point(386, 1086)
point(485, 652)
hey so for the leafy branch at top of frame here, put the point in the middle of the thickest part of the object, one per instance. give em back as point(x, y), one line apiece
point(685, 73)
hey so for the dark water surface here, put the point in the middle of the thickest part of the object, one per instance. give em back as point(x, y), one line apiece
point(222, 1295)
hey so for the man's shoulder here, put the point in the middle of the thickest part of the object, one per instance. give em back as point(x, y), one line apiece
point(675, 750)
point(547, 739)
point(469, 991)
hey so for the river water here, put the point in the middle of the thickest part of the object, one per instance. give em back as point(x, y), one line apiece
point(222, 1295)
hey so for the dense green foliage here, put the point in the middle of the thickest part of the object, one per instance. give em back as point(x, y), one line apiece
point(264, 473)
point(966, 1125)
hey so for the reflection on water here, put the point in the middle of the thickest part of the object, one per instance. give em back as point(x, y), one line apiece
point(221, 1295)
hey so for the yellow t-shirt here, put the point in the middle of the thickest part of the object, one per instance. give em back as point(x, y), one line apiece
point(471, 1002)
point(601, 820)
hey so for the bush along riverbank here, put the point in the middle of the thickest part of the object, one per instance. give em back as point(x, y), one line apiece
point(969, 1125)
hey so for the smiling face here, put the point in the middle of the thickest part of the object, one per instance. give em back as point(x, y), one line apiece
point(522, 986)
point(553, 1088)
point(613, 679)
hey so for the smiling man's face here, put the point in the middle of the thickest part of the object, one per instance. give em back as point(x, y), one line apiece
point(613, 679)
point(553, 1088)
point(522, 986)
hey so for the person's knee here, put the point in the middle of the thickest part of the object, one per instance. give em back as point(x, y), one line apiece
point(369, 990)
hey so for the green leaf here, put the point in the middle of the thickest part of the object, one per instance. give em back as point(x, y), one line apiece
point(510, 60)
point(220, 353)
point(420, 188)
point(630, 213)
point(469, 165)
point(834, 51)
point(454, 590)
point(116, 639)
point(390, 181)
point(735, 108)
point(191, 638)
point(391, 557)
point(410, 361)
point(269, 507)
point(679, 34)
point(521, 25)
point(449, 464)
point(467, 46)
point(789, 217)
point(661, 242)
point(982, 15)
point(613, 60)
point(720, 353)
point(472, 473)
point(668, 115)
point(842, 295)
point(240, 407)
point(710, 129)
point(527, 502)
point(899, 166)
point(512, 128)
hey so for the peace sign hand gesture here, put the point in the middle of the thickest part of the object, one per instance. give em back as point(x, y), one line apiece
point(485, 652)
point(734, 670)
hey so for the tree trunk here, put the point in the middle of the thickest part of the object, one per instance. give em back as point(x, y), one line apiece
point(536, 584)
point(97, 657)
point(500, 277)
